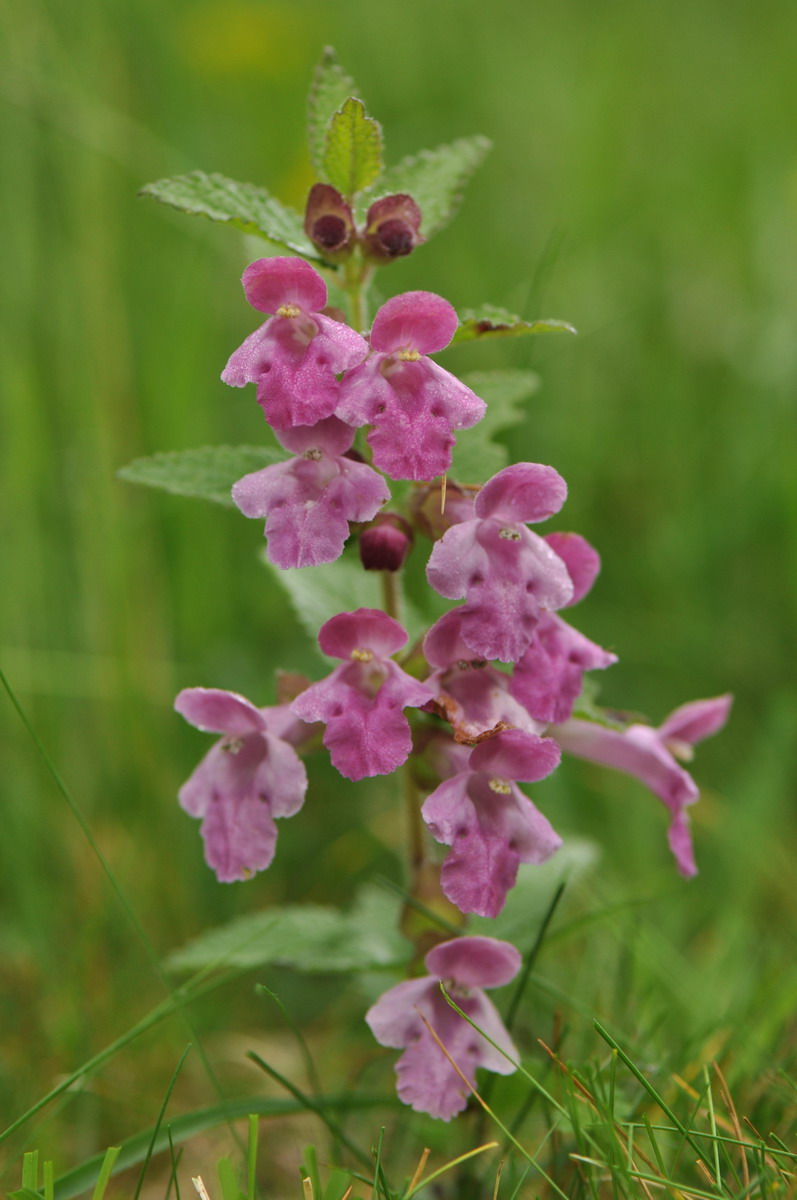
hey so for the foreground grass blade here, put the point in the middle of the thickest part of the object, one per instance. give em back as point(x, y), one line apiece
point(181, 1129)
point(156, 1127)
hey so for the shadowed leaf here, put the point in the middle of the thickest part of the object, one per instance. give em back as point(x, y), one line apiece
point(207, 472)
point(435, 179)
point(245, 205)
point(491, 322)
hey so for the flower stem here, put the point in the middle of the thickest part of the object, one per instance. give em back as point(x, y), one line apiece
point(390, 594)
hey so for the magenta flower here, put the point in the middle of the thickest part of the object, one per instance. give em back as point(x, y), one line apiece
point(361, 702)
point(506, 573)
point(549, 676)
point(294, 357)
point(412, 403)
point(426, 1079)
point(649, 755)
point(309, 500)
point(473, 696)
point(246, 780)
point(488, 822)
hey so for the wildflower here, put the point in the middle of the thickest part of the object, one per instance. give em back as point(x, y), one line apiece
point(246, 780)
point(309, 500)
point(469, 693)
point(488, 822)
point(426, 1079)
point(294, 357)
point(412, 403)
point(361, 702)
point(650, 755)
point(506, 573)
point(548, 678)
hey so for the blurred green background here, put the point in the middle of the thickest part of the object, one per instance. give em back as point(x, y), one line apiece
point(643, 185)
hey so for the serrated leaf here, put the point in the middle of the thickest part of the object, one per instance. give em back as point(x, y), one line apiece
point(207, 472)
point(330, 88)
point(435, 179)
point(353, 149)
point(492, 322)
point(318, 593)
point(476, 456)
point(310, 937)
point(244, 205)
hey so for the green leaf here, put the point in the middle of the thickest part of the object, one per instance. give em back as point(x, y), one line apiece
point(245, 205)
point(435, 179)
point(476, 456)
point(353, 149)
point(331, 86)
point(318, 593)
point(491, 322)
point(307, 937)
point(207, 472)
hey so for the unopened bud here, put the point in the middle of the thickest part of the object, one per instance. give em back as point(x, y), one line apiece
point(432, 517)
point(385, 544)
point(328, 222)
point(392, 228)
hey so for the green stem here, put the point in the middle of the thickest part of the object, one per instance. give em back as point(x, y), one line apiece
point(416, 842)
point(390, 594)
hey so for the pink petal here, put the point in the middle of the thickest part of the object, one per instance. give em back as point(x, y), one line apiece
point(516, 755)
point(215, 711)
point(363, 392)
point(393, 1019)
point(367, 732)
point(582, 561)
point(363, 629)
point(419, 321)
point(490, 834)
point(247, 363)
point(697, 720)
point(474, 961)
point(443, 645)
point(523, 492)
point(549, 677)
point(331, 436)
point(342, 345)
point(270, 283)
point(240, 837)
point(281, 778)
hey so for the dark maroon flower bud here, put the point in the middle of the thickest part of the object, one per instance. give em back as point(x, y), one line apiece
point(328, 221)
point(392, 228)
point(385, 544)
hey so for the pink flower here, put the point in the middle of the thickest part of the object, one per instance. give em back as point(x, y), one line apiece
point(361, 702)
point(506, 573)
point(549, 676)
point(246, 780)
point(294, 357)
point(426, 1079)
point(309, 500)
point(490, 825)
point(473, 696)
point(412, 403)
point(649, 755)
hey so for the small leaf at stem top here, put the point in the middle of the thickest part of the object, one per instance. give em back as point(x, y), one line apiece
point(353, 149)
point(331, 86)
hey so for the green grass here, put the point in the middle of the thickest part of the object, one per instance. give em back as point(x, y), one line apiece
point(643, 186)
